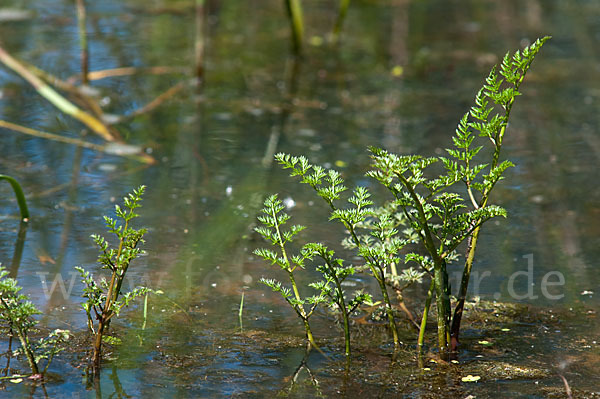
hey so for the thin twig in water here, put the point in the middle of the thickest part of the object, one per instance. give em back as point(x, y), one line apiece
point(152, 104)
point(111, 149)
point(567, 387)
point(55, 98)
point(127, 71)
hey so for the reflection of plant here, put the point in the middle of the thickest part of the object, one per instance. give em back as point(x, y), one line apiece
point(17, 312)
point(104, 299)
point(438, 216)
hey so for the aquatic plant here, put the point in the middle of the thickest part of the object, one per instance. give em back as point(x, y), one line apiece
point(106, 299)
point(16, 314)
point(371, 232)
point(294, 11)
point(334, 270)
point(19, 195)
point(439, 217)
point(273, 219)
point(337, 27)
point(489, 117)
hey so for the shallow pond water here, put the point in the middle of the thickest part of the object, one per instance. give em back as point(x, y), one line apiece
point(212, 145)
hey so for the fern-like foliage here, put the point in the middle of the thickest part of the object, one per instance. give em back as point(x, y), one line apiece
point(437, 212)
point(17, 318)
point(273, 230)
point(105, 299)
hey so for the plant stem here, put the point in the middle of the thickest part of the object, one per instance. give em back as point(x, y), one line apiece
point(300, 308)
point(294, 9)
point(343, 308)
point(440, 274)
point(199, 40)
point(290, 271)
point(379, 273)
point(55, 98)
point(421, 339)
point(24, 341)
point(388, 307)
point(83, 41)
point(20, 196)
point(442, 304)
point(340, 19)
point(27, 349)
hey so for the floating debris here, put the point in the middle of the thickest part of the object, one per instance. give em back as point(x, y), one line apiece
point(14, 14)
point(471, 378)
point(114, 148)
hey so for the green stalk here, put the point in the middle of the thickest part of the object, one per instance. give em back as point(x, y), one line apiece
point(20, 196)
point(472, 242)
point(9, 350)
point(379, 274)
point(83, 41)
point(199, 40)
point(27, 349)
point(50, 357)
point(111, 297)
point(343, 10)
point(421, 339)
point(388, 309)
point(294, 9)
point(24, 341)
point(299, 308)
point(342, 305)
point(440, 274)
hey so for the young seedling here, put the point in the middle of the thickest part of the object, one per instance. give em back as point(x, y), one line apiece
point(16, 312)
point(334, 272)
point(273, 219)
point(379, 247)
point(19, 195)
point(105, 299)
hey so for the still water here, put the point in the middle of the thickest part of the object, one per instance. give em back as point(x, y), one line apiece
point(402, 76)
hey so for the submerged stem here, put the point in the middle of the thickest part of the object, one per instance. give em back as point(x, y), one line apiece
point(421, 339)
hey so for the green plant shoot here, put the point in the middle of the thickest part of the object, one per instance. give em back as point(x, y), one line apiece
point(273, 220)
point(334, 272)
point(441, 211)
point(371, 232)
point(487, 119)
point(16, 314)
point(105, 299)
point(19, 195)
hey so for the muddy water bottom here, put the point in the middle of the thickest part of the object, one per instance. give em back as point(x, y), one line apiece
point(515, 350)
